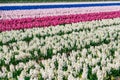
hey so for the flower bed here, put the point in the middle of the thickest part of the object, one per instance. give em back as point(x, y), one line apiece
point(81, 43)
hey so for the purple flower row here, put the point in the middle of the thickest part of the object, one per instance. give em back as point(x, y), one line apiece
point(16, 14)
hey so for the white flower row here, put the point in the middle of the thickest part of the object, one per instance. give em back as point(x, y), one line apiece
point(18, 35)
point(21, 49)
point(69, 66)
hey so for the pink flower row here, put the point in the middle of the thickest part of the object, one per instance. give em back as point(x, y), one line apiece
point(17, 24)
point(14, 14)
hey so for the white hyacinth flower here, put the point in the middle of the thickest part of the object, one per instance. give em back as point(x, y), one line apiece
point(84, 52)
point(12, 68)
point(10, 75)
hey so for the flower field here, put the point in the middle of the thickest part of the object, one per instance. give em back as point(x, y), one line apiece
point(60, 42)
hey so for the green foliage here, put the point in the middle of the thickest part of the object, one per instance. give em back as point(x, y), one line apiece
point(40, 77)
point(106, 41)
point(65, 67)
point(90, 75)
point(65, 78)
point(113, 74)
point(2, 62)
point(16, 73)
point(56, 64)
point(27, 78)
point(112, 51)
point(42, 65)
point(79, 74)
point(28, 39)
point(49, 53)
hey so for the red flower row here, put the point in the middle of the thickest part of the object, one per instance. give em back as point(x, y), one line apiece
point(16, 24)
